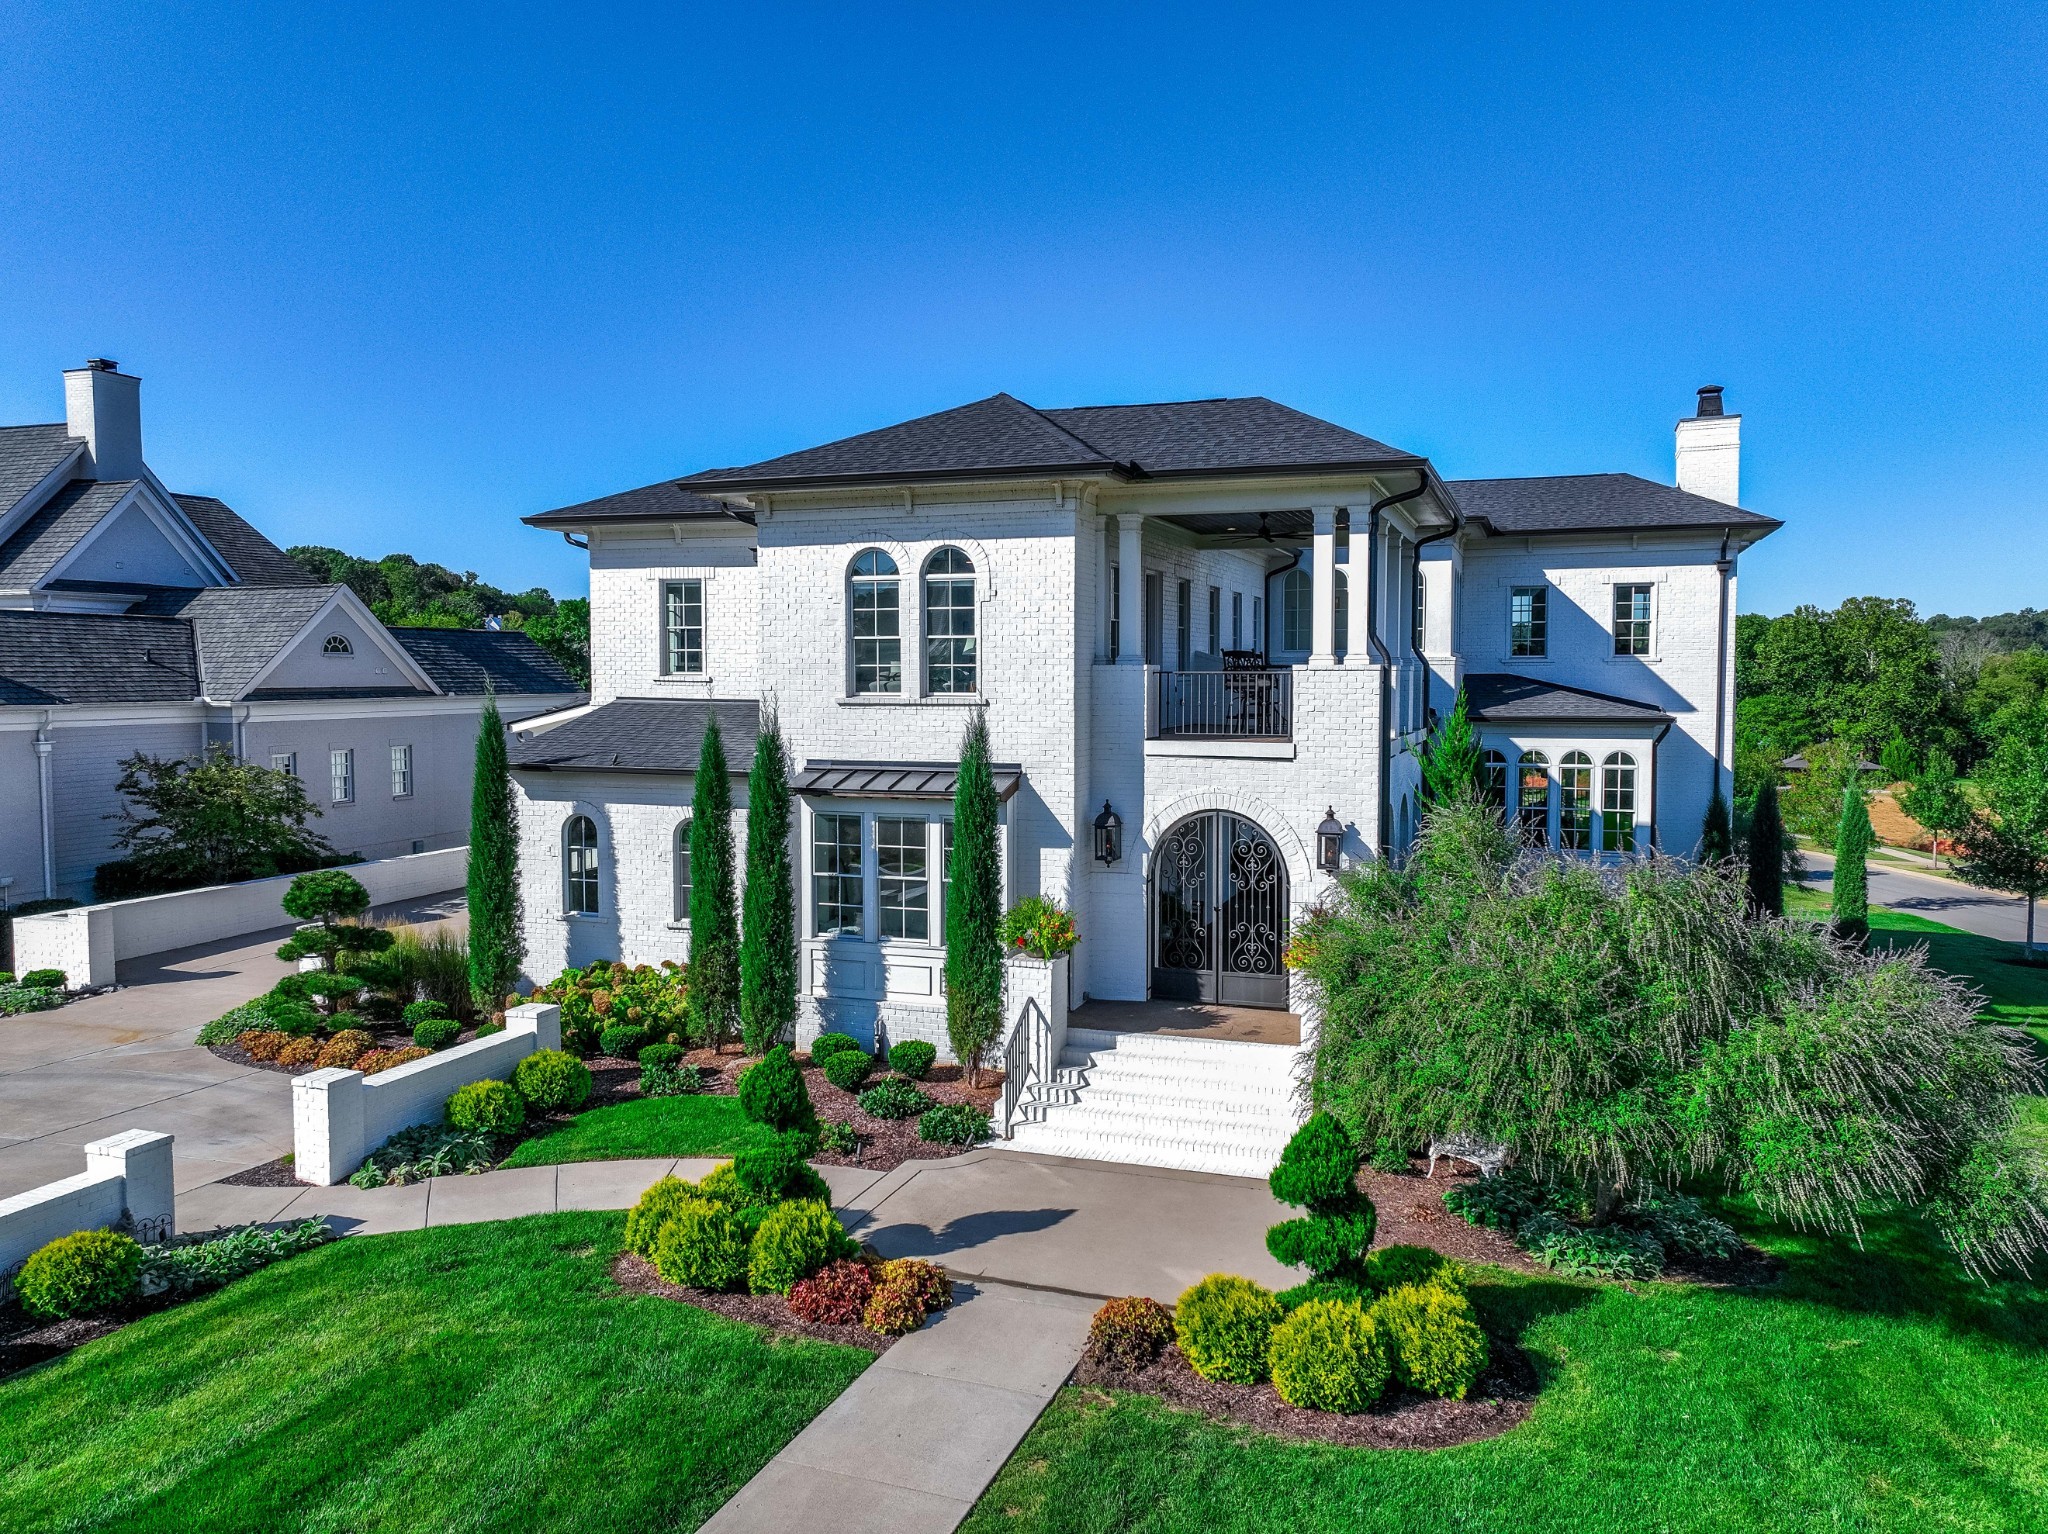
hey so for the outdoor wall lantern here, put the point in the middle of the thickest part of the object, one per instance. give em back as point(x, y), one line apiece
point(1109, 835)
point(1329, 841)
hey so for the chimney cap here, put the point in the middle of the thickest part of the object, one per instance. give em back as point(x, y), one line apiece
point(1710, 400)
point(102, 365)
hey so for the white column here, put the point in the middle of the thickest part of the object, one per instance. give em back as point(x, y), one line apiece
point(1130, 556)
point(1323, 590)
point(141, 1158)
point(327, 1125)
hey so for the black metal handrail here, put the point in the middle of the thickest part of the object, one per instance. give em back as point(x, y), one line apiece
point(1242, 703)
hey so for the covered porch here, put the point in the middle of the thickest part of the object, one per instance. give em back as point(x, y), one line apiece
point(1197, 1020)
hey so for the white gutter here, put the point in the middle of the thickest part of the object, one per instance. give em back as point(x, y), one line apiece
point(44, 745)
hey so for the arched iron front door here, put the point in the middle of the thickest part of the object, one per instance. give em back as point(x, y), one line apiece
point(1220, 904)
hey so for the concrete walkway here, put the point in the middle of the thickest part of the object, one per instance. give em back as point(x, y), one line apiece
point(127, 1060)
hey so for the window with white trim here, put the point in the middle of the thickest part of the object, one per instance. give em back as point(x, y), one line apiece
point(1618, 803)
point(1116, 611)
point(1532, 799)
point(838, 888)
point(1632, 620)
point(1297, 611)
point(285, 761)
point(682, 627)
point(902, 877)
point(1529, 622)
point(1493, 778)
point(336, 644)
point(681, 858)
point(1237, 620)
point(1575, 802)
point(876, 609)
point(1183, 624)
point(579, 866)
point(949, 656)
point(401, 772)
point(341, 775)
point(1215, 620)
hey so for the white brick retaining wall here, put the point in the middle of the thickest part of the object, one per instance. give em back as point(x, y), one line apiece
point(87, 941)
point(339, 1117)
point(127, 1176)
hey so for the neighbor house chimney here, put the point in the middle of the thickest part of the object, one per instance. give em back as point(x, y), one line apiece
point(105, 407)
point(1710, 450)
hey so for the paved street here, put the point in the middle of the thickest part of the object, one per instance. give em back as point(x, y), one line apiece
point(1984, 912)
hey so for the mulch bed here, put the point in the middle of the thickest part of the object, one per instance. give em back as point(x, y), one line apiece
point(393, 1035)
point(26, 1341)
point(636, 1275)
point(1401, 1419)
point(272, 1174)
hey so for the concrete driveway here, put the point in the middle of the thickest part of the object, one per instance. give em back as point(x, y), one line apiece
point(127, 1060)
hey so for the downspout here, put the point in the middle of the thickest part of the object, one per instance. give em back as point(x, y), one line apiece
point(1657, 782)
point(1725, 567)
point(1378, 650)
point(1271, 576)
point(44, 745)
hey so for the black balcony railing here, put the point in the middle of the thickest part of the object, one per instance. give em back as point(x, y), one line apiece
point(1240, 703)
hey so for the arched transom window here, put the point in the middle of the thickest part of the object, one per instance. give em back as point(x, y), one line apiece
point(336, 644)
point(876, 604)
point(1618, 803)
point(579, 866)
point(682, 867)
point(949, 649)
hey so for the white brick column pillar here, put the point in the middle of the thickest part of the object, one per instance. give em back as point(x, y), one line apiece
point(543, 1019)
point(327, 1125)
point(1130, 586)
point(1323, 590)
point(141, 1158)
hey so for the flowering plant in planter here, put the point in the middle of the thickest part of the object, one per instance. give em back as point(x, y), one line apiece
point(1042, 928)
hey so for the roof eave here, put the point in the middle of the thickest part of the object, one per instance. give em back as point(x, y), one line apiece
point(1645, 720)
point(1749, 521)
point(1075, 470)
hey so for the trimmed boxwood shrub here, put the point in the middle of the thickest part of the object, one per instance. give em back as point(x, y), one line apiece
point(418, 1012)
point(492, 1105)
point(953, 1124)
point(661, 1054)
point(552, 1078)
point(623, 1041)
point(913, 1058)
point(1329, 1356)
point(1131, 1332)
point(795, 1241)
point(778, 1172)
point(846, 1069)
point(43, 980)
point(1224, 1325)
point(826, 1045)
point(836, 1295)
point(1436, 1341)
point(80, 1275)
point(704, 1246)
point(773, 1092)
point(661, 1203)
point(893, 1098)
point(1393, 1267)
point(435, 1032)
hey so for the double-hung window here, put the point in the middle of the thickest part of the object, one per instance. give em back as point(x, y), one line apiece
point(1419, 634)
point(876, 605)
point(1529, 621)
point(838, 885)
point(949, 658)
point(682, 627)
point(401, 772)
point(579, 867)
point(285, 761)
point(1237, 620)
point(341, 775)
point(1631, 620)
point(902, 878)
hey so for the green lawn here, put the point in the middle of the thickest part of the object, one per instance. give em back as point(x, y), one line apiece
point(477, 1377)
point(1870, 1390)
point(650, 1126)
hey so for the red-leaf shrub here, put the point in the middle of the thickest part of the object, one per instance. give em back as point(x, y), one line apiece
point(1129, 1333)
point(836, 1295)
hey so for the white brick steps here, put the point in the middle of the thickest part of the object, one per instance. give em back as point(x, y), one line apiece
point(1154, 1099)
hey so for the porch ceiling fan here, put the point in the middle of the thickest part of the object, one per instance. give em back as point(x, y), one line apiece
point(1263, 535)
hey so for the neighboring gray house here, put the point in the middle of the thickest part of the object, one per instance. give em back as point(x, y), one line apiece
point(135, 619)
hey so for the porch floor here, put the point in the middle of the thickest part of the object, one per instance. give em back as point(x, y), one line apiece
point(1189, 1019)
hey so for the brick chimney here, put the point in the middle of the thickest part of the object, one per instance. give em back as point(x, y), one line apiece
point(104, 406)
point(1710, 450)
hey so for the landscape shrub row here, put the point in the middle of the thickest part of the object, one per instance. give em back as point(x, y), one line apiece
point(479, 1119)
point(91, 1272)
point(39, 990)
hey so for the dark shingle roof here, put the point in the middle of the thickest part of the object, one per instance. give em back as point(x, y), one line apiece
point(471, 662)
point(666, 501)
point(56, 527)
point(1003, 435)
point(1569, 503)
point(641, 735)
point(895, 780)
point(240, 629)
point(28, 454)
point(52, 658)
point(253, 557)
point(1500, 697)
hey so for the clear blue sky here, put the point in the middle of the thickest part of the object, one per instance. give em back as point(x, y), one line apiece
point(394, 276)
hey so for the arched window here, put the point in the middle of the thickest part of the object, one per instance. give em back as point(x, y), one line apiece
point(1532, 799)
point(579, 866)
point(1493, 778)
point(1575, 802)
point(682, 868)
point(949, 661)
point(1297, 611)
point(336, 644)
point(877, 611)
point(1618, 803)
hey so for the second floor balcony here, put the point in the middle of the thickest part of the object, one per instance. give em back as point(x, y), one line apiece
point(1244, 700)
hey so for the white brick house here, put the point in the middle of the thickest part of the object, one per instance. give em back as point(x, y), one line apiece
point(1223, 620)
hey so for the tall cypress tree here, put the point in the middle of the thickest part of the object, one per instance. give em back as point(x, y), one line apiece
point(768, 934)
point(1450, 758)
point(1767, 854)
point(974, 915)
point(495, 954)
point(1717, 841)
point(714, 984)
point(1849, 904)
